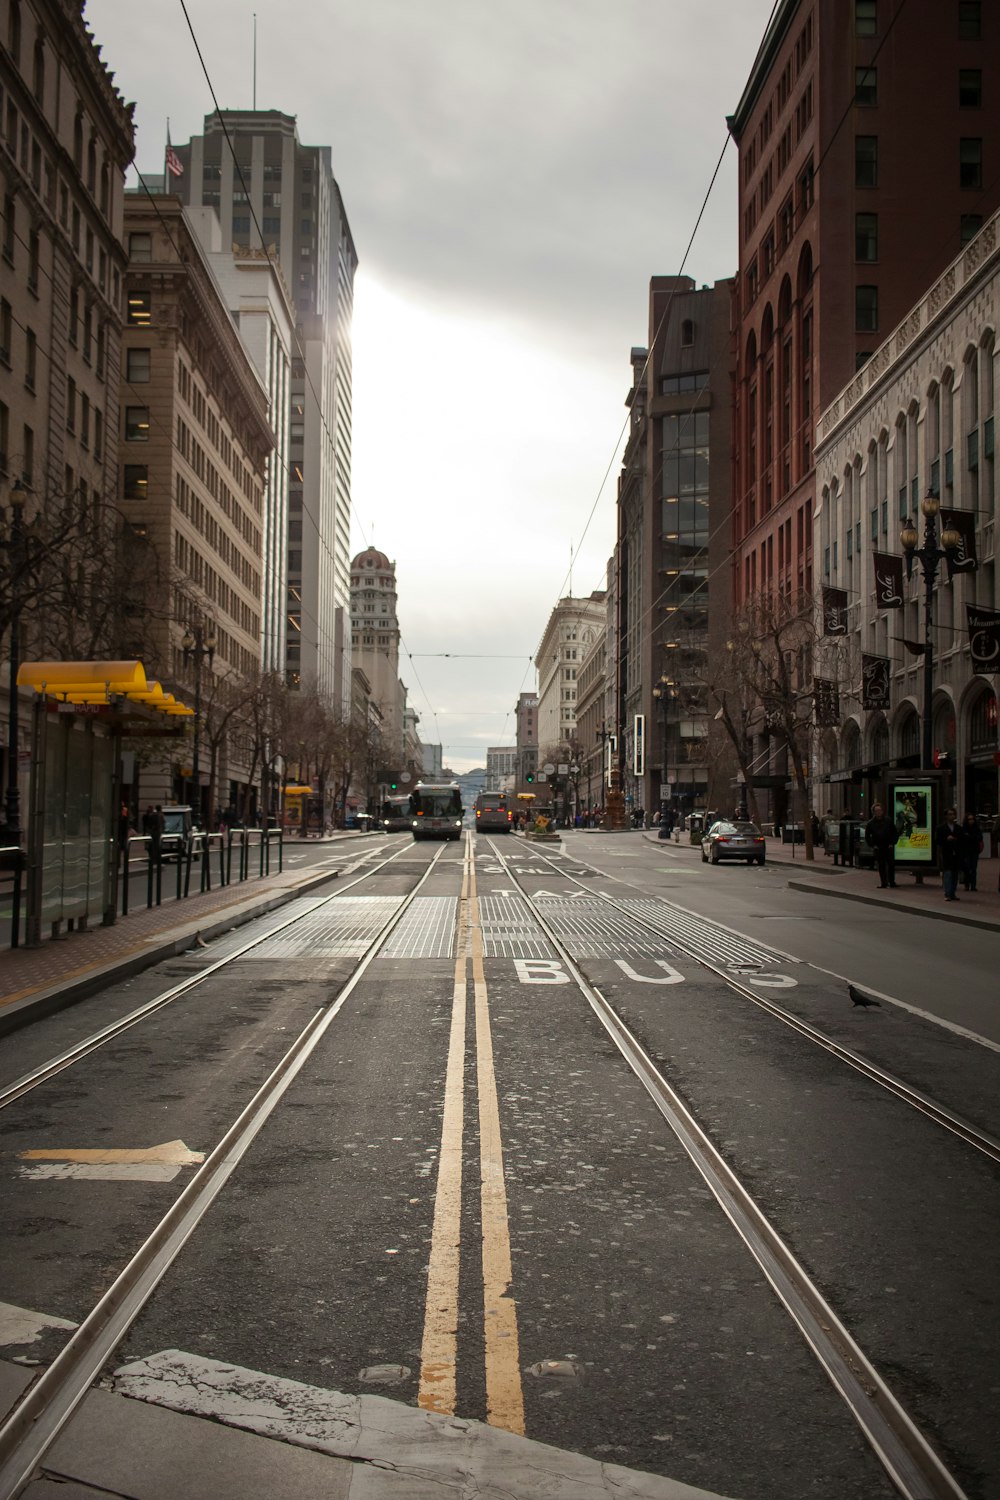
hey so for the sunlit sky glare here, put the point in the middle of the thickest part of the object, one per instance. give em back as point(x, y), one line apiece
point(514, 171)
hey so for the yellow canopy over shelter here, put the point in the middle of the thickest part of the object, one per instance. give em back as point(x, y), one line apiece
point(98, 682)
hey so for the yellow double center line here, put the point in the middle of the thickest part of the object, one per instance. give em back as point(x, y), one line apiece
point(439, 1350)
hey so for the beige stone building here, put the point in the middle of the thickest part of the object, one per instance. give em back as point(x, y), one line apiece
point(67, 137)
point(195, 439)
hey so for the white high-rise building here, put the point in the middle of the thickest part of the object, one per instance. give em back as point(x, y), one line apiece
point(271, 191)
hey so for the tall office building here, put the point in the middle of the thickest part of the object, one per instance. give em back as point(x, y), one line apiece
point(375, 645)
point(272, 192)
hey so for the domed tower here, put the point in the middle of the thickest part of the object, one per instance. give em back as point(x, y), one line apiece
point(375, 639)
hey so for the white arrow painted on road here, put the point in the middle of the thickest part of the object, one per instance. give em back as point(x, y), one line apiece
point(113, 1164)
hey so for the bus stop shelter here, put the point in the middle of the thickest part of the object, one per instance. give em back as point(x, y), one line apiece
point(82, 710)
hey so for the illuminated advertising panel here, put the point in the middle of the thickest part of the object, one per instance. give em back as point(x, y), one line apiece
point(912, 812)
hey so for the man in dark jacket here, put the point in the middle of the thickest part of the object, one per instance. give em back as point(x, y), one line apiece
point(880, 835)
point(949, 840)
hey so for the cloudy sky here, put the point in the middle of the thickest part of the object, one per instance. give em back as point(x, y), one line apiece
point(514, 171)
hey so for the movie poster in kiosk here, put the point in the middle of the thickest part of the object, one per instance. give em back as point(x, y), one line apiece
point(913, 814)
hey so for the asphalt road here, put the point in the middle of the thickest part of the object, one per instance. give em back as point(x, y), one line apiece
point(636, 1326)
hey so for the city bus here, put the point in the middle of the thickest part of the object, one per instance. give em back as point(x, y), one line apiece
point(396, 815)
point(493, 813)
point(436, 810)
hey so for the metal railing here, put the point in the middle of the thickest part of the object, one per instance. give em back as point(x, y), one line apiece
point(202, 849)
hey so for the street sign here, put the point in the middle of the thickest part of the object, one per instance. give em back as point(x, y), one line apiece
point(549, 768)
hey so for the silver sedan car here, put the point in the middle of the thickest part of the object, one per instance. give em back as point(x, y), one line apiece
point(733, 841)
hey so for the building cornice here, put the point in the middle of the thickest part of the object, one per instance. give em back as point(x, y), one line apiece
point(769, 48)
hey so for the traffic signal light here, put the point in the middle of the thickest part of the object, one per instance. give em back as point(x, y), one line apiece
point(530, 777)
point(392, 786)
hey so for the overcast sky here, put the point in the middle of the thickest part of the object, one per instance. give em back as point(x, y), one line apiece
point(514, 171)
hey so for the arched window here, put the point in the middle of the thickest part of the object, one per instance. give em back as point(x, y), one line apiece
point(105, 189)
point(92, 166)
point(78, 142)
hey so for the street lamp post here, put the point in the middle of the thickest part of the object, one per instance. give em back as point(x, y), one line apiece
point(198, 643)
point(929, 556)
point(664, 693)
point(15, 564)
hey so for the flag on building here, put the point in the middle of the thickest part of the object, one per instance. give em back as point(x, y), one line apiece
point(826, 699)
point(984, 638)
point(962, 559)
point(173, 162)
point(834, 612)
point(888, 580)
point(874, 681)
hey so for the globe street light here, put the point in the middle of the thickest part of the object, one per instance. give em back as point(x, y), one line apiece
point(197, 644)
point(929, 556)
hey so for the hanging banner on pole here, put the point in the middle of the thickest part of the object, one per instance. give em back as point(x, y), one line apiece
point(888, 580)
point(874, 681)
point(962, 559)
point(834, 612)
point(984, 638)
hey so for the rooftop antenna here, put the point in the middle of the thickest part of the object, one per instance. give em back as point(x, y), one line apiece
point(255, 60)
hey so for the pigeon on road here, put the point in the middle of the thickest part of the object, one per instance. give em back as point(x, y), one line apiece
point(860, 998)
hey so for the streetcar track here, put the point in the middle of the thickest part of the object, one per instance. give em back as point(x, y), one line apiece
point(930, 1108)
point(37, 1419)
point(908, 1458)
point(55, 1065)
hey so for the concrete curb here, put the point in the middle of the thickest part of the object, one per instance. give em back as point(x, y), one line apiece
point(869, 899)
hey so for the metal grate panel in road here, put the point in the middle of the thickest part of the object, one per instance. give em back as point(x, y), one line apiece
point(593, 929)
point(343, 929)
point(509, 930)
point(426, 931)
point(702, 937)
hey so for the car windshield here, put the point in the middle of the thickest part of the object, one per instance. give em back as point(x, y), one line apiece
point(750, 828)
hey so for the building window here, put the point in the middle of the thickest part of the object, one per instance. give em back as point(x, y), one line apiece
point(970, 88)
point(806, 188)
point(687, 333)
point(241, 223)
point(970, 19)
point(970, 172)
point(9, 213)
point(4, 436)
point(969, 227)
point(861, 358)
point(137, 365)
point(866, 87)
point(866, 237)
point(6, 325)
point(864, 17)
point(137, 424)
point(866, 309)
point(140, 309)
point(136, 481)
point(140, 248)
point(33, 262)
point(30, 358)
point(70, 404)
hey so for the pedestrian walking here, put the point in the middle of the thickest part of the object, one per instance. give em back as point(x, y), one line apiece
point(973, 849)
point(881, 836)
point(949, 841)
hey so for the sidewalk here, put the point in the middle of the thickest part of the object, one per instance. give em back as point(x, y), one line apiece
point(37, 981)
point(820, 876)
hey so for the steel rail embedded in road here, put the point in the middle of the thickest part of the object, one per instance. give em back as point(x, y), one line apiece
point(938, 1113)
point(82, 1049)
point(908, 1458)
point(35, 1423)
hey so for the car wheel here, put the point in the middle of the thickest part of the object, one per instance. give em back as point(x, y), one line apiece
point(715, 857)
point(760, 859)
point(704, 857)
point(750, 860)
